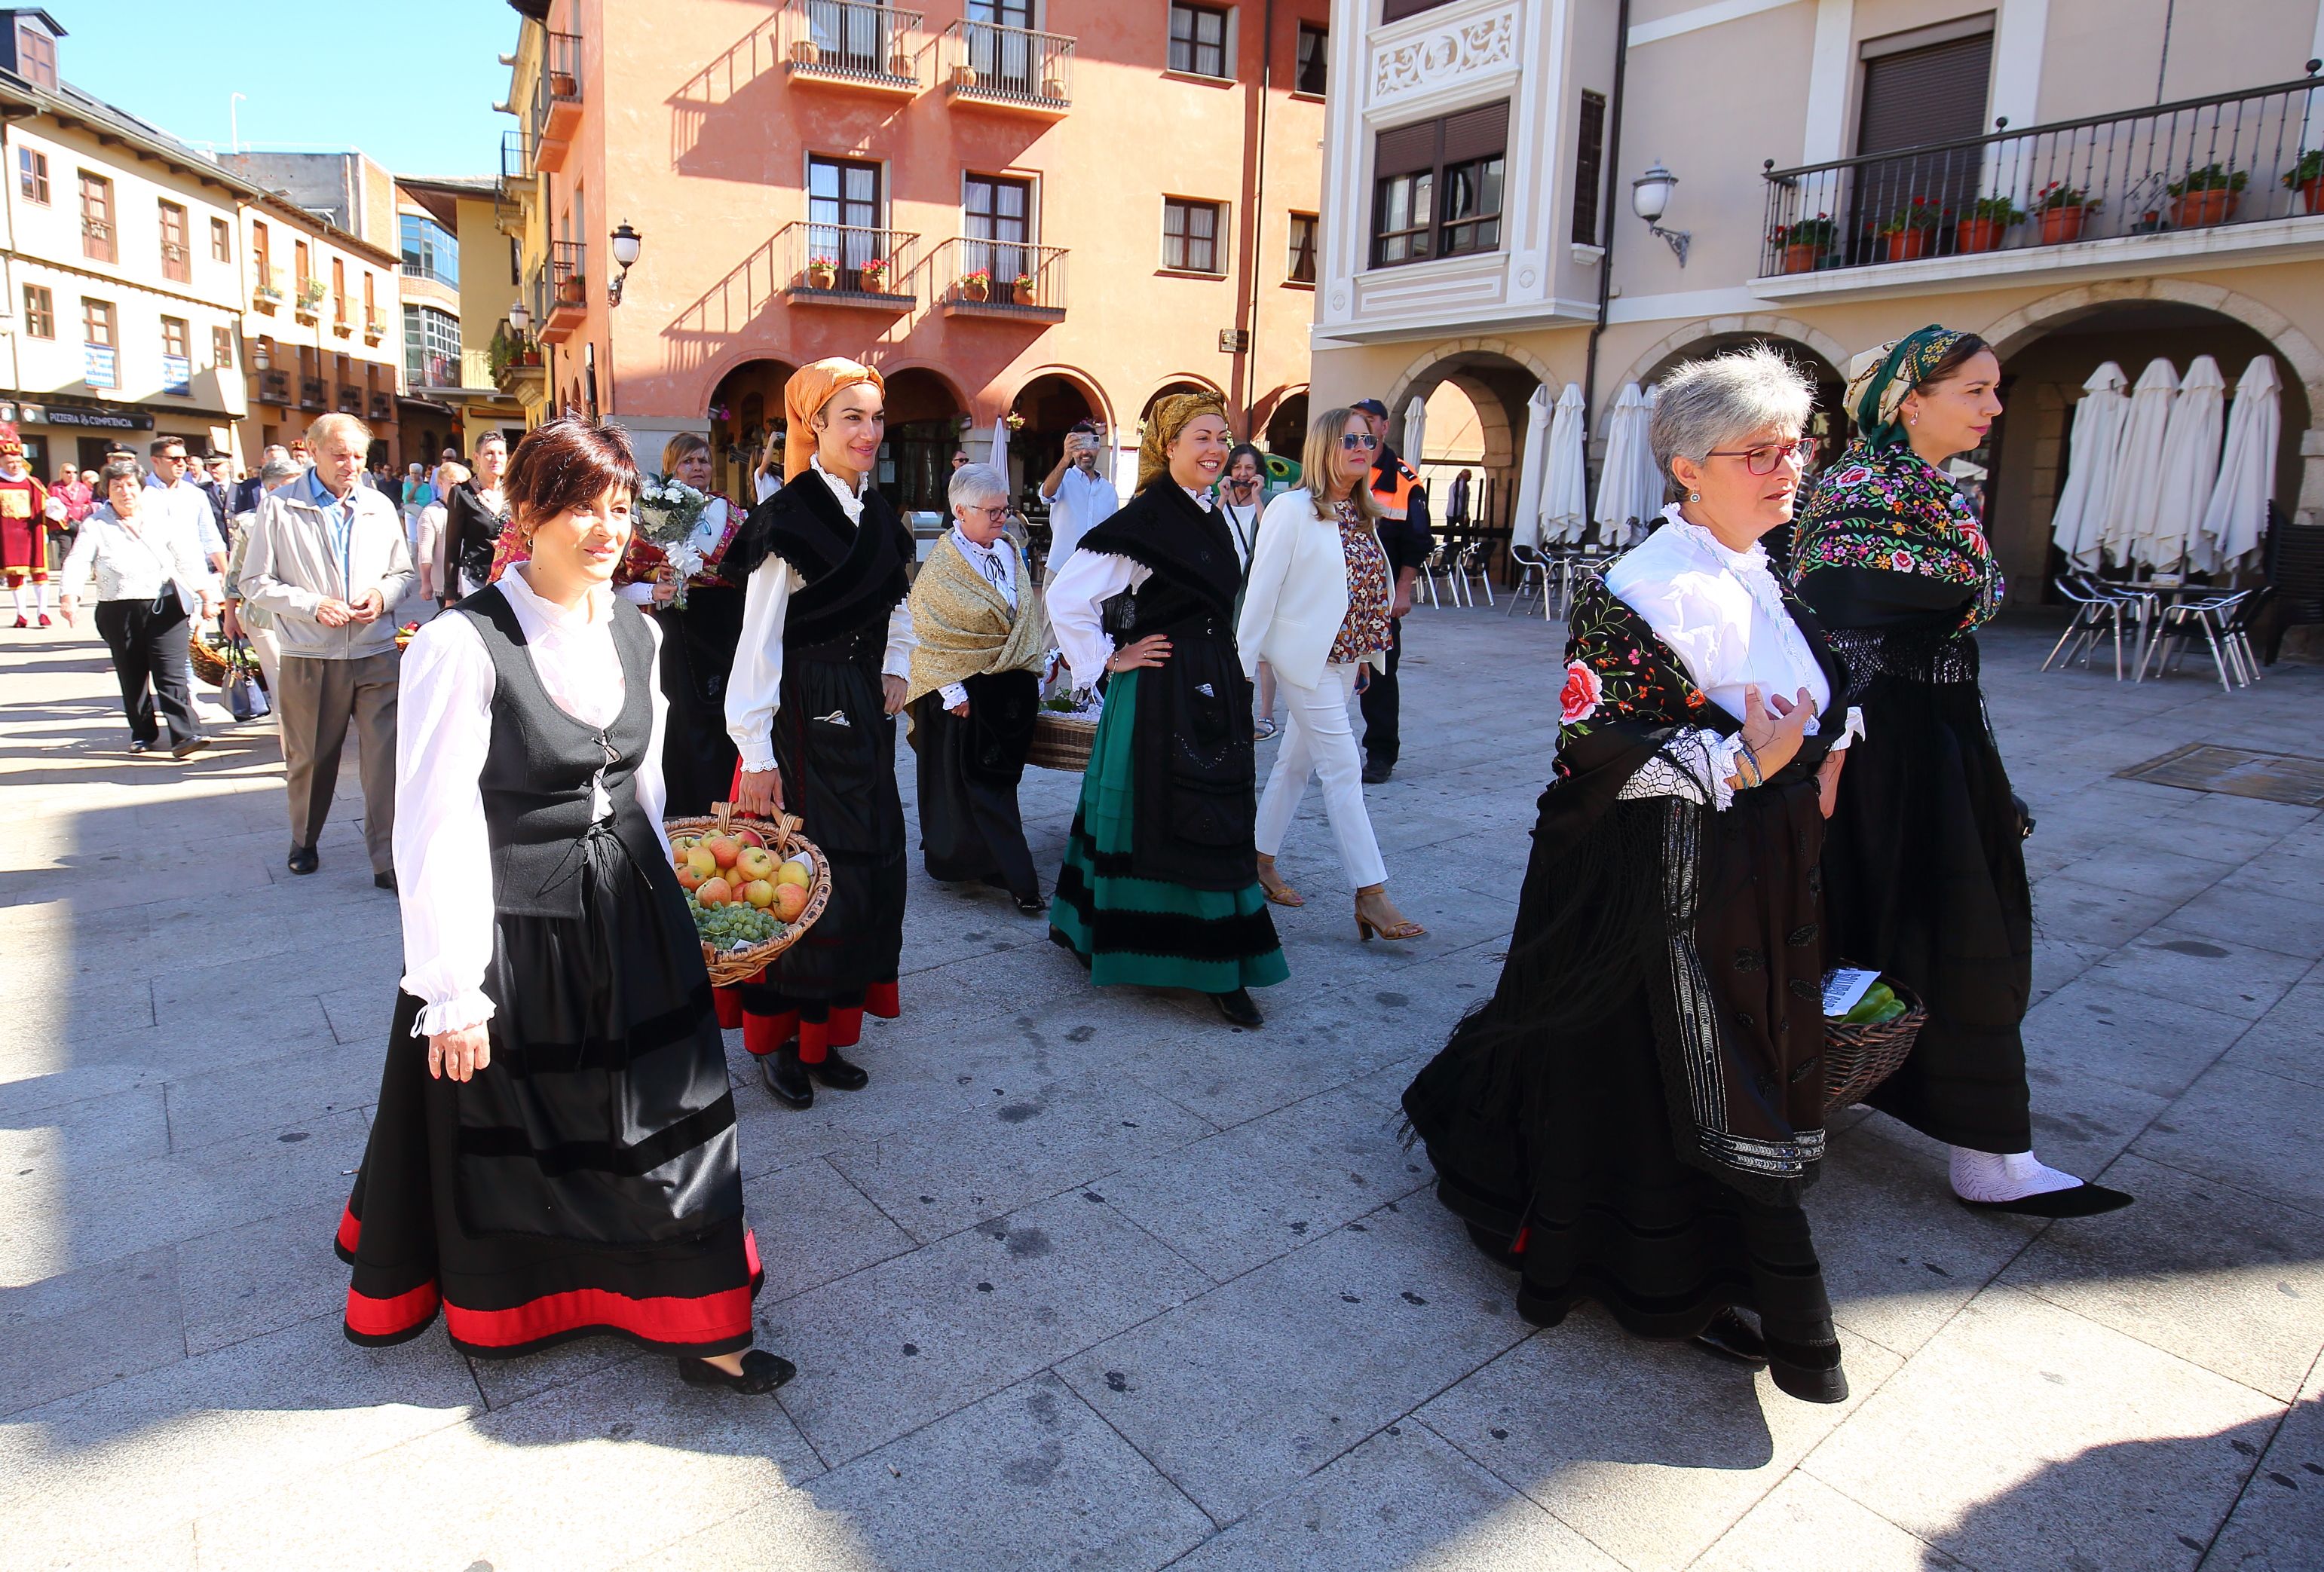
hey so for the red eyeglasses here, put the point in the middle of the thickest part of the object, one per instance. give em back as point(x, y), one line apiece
point(1763, 458)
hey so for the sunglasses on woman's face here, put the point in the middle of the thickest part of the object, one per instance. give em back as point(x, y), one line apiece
point(1359, 441)
point(1763, 458)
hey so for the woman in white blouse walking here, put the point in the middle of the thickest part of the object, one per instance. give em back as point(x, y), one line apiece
point(553, 1154)
point(1316, 609)
point(150, 577)
point(1636, 1115)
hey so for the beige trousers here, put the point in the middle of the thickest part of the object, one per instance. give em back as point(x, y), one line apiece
point(315, 700)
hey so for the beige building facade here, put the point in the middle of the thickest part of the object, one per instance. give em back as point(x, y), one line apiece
point(2076, 180)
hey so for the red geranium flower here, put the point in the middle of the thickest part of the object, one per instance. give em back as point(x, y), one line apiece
point(1579, 702)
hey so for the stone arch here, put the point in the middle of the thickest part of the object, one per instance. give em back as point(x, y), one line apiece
point(1833, 353)
point(1439, 353)
point(2022, 326)
point(1090, 387)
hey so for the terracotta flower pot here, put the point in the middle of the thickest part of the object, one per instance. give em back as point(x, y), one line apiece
point(1802, 258)
point(2060, 225)
point(2201, 209)
point(822, 277)
point(2311, 194)
point(1027, 292)
point(977, 289)
point(805, 53)
point(1981, 235)
point(1907, 244)
point(963, 77)
point(562, 85)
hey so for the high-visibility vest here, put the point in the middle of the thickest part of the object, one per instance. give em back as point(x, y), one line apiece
point(1395, 499)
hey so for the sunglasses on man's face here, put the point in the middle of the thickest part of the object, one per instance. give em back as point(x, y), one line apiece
point(1359, 441)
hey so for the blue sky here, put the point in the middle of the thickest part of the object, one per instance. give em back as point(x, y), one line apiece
point(411, 82)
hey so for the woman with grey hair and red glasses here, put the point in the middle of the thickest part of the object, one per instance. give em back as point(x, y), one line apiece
point(1636, 1112)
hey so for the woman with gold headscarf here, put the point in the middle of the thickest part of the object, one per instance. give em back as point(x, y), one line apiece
point(1160, 883)
point(1925, 874)
point(819, 674)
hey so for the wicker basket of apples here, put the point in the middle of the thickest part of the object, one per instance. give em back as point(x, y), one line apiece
point(752, 887)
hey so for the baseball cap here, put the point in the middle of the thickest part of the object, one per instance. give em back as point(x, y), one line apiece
point(1371, 407)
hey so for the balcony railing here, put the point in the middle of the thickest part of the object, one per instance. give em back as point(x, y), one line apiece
point(432, 370)
point(843, 265)
point(2234, 159)
point(1000, 277)
point(351, 400)
point(851, 42)
point(310, 393)
point(383, 406)
point(266, 293)
point(273, 387)
point(986, 63)
point(556, 101)
point(569, 289)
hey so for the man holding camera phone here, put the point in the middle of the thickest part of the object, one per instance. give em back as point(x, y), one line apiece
point(1079, 495)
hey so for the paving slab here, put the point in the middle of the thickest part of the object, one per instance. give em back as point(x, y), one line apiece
point(2278, 1526)
point(1805, 1525)
point(2289, 1040)
point(2093, 1028)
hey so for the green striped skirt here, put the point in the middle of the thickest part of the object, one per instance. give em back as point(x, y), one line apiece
point(1128, 929)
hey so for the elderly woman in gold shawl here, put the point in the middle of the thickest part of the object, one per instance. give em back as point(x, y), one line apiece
point(975, 689)
point(1160, 883)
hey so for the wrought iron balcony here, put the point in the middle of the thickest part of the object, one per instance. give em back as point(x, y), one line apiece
point(1008, 67)
point(310, 393)
point(836, 264)
point(556, 101)
point(2202, 164)
point(569, 289)
point(999, 277)
point(852, 43)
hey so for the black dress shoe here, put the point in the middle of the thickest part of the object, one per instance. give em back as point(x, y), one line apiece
point(383, 880)
point(1377, 773)
point(761, 1372)
point(838, 1073)
point(1236, 1005)
point(1032, 905)
point(2083, 1201)
point(786, 1077)
point(1730, 1336)
point(303, 860)
point(139, 745)
point(186, 746)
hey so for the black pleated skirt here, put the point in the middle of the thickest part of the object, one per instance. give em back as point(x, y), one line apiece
point(586, 1182)
point(969, 769)
point(1924, 878)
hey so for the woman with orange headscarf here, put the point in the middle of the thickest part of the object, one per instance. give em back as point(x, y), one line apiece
point(1160, 883)
point(819, 674)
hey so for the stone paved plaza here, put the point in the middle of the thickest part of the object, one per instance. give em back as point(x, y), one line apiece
point(1089, 1281)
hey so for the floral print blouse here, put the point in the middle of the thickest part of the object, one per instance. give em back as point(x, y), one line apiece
point(1366, 629)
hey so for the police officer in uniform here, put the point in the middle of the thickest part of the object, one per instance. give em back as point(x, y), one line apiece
point(1404, 531)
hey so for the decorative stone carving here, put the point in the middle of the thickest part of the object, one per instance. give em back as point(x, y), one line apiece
point(1465, 47)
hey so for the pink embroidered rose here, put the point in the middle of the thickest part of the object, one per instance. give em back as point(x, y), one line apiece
point(1579, 702)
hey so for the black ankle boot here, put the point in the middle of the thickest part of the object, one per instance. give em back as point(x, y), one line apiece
point(837, 1072)
point(786, 1077)
point(1237, 1009)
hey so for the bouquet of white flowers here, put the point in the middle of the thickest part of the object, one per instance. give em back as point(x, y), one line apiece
point(668, 512)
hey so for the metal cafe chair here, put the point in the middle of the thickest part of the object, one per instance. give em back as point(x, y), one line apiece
point(1532, 577)
point(2096, 614)
point(1439, 566)
point(1470, 565)
point(2182, 623)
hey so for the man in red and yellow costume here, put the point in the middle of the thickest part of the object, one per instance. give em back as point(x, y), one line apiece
point(23, 532)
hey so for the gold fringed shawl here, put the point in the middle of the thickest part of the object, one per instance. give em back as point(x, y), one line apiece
point(966, 627)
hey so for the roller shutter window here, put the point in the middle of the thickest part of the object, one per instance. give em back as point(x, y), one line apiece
point(1589, 162)
point(1437, 186)
point(1917, 97)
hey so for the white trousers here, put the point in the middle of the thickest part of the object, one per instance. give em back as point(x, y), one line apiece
point(1318, 741)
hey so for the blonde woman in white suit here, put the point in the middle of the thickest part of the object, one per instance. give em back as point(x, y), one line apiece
point(1316, 609)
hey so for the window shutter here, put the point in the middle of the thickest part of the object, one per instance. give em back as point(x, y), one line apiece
point(1589, 158)
point(1397, 10)
point(1408, 149)
point(1476, 133)
point(1923, 95)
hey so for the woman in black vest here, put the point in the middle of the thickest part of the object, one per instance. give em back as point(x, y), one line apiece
point(476, 515)
point(819, 674)
point(553, 1154)
point(1160, 883)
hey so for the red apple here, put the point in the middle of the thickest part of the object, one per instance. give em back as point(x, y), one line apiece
point(715, 892)
point(688, 879)
point(726, 849)
point(790, 900)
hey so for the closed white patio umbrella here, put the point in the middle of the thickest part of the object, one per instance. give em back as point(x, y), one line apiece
point(1620, 501)
point(2078, 525)
point(1524, 523)
point(999, 455)
point(2236, 515)
point(2138, 461)
point(2191, 465)
point(1416, 431)
point(1565, 490)
point(1653, 490)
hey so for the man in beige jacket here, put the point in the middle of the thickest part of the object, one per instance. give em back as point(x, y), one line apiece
point(328, 560)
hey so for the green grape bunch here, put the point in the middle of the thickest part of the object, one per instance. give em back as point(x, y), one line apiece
point(734, 926)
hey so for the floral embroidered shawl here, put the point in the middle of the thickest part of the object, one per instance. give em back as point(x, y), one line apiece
point(1890, 511)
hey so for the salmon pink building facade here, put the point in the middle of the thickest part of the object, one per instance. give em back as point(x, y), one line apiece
point(1023, 212)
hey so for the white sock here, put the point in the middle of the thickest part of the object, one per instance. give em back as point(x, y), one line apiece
point(23, 598)
point(1997, 1176)
point(40, 593)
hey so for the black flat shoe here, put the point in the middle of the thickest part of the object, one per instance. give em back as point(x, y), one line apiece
point(1495, 1247)
point(1730, 1338)
point(303, 860)
point(383, 880)
point(1377, 773)
point(1237, 1009)
point(139, 745)
point(761, 1372)
point(2084, 1200)
point(786, 1077)
point(1809, 1373)
point(838, 1073)
point(1032, 905)
point(186, 747)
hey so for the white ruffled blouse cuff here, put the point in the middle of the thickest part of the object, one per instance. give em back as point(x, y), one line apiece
point(459, 1012)
point(1850, 731)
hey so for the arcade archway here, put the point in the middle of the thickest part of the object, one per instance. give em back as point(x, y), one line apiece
point(1045, 410)
point(925, 413)
point(745, 413)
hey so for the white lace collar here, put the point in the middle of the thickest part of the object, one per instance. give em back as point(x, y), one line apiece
point(851, 497)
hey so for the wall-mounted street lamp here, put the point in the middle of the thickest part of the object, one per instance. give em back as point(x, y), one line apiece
point(1650, 195)
point(519, 318)
point(627, 244)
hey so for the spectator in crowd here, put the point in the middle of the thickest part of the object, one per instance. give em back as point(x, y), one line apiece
point(426, 528)
point(25, 511)
point(149, 578)
point(475, 515)
point(327, 560)
point(75, 492)
point(255, 485)
point(1457, 500)
point(244, 620)
point(221, 471)
point(181, 497)
point(1080, 498)
point(1403, 532)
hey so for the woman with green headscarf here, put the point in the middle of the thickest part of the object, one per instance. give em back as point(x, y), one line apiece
point(1924, 870)
point(1160, 883)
